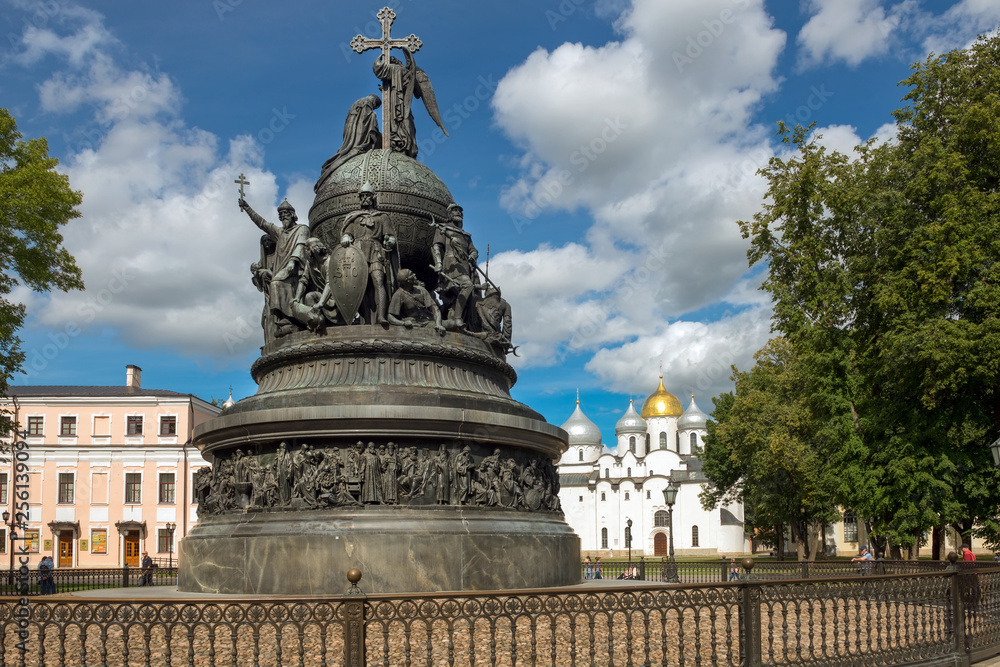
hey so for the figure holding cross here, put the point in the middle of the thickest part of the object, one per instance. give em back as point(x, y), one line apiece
point(400, 84)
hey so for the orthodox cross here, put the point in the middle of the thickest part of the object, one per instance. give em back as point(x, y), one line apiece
point(361, 44)
point(242, 181)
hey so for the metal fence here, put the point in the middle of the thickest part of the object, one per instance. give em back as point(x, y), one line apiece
point(944, 617)
point(66, 580)
point(706, 572)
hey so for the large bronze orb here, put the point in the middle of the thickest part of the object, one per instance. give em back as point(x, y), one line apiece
point(405, 189)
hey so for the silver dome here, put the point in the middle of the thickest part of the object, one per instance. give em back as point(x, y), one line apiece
point(692, 418)
point(581, 430)
point(630, 422)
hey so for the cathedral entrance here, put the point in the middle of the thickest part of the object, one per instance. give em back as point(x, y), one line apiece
point(660, 544)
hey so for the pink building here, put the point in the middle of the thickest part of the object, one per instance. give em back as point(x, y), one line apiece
point(110, 471)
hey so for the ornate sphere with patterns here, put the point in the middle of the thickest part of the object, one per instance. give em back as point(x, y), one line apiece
point(404, 188)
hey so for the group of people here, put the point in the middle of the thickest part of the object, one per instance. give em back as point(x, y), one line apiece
point(592, 570)
point(299, 276)
point(366, 474)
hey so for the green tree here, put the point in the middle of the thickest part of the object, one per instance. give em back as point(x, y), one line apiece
point(35, 201)
point(885, 279)
point(766, 450)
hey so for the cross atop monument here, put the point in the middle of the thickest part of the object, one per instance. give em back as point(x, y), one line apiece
point(361, 44)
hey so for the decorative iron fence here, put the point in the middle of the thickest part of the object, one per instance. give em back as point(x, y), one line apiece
point(882, 619)
point(65, 580)
point(706, 572)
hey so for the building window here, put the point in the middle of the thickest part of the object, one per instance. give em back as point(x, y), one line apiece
point(3, 489)
point(133, 487)
point(694, 536)
point(850, 527)
point(631, 443)
point(3, 540)
point(99, 541)
point(647, 495)
point(607, 473)
point(663, 439)
point(581, 499)
point(647, 442)
point(66, 488)
point(694, 441)
point(604, 538)
point(677, 442)
point(629, 472)
point(67, 426)
point(168, 426)
point(167, 488)
point(603, 496)
point(36, 426)
point(164, 541)
point(626, 495)
point(660, 519)
point(135, 425)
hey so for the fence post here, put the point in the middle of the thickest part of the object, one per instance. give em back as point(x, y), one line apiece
point(125, 576)
point(354, 622)
point(958, 588)
point(642, 568)
point(805, 569)
point(749, 625)
point(725, 570)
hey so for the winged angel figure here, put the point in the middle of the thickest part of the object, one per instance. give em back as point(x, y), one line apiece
point(400, 84)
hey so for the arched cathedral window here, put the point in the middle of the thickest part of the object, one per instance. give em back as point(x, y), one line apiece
point(604, 538)
point(663, 439)
point(631, 443)
point(694, 536)
point(694, 441)
point(581, 454)
point(660, 519)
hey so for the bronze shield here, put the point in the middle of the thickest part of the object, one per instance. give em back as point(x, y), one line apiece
point(348, 280)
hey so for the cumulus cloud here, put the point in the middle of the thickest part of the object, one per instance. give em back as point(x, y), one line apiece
point(163, 247)
point(849, 30)
point(653, 136)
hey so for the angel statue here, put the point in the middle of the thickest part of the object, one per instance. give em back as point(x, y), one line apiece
point(400, 84)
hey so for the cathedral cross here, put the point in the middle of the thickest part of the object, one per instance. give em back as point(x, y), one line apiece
point(361, 44)
point(241, 181)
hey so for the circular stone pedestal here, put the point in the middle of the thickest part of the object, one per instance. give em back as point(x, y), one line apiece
point(397, 551)
point(396, 451)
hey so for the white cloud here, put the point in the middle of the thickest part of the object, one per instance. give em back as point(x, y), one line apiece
point(849, 30)
point(163, 248)
point(696, 356)
point(76, 48)
point(652, 135)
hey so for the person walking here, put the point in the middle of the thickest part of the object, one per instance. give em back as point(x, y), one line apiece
point(967, 554)
point(147, 570)
point(597, 569)
point(45, 577)
point(734, 570)
point(588, 568)
point(865, 560)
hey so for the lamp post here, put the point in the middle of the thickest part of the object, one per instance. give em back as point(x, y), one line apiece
point(10, 537)
point(995, 448)
point(669, 498)
point(170, 542)
point(628, 540)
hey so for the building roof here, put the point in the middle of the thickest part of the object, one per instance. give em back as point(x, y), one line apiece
point(581, 430)
point(661, 403)
point(84, 390)
point(574, 479)
point(630, 422)
point(693, 417)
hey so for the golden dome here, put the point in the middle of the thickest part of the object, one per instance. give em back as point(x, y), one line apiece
point(661, 403)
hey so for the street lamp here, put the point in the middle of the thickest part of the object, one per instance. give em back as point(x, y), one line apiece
point(995, 448)
point(628, 540)
point(10, 535)
point(669, 498)
point(170, 542)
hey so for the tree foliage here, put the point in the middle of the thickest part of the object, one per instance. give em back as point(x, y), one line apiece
point(35, 201)
point(884, 269)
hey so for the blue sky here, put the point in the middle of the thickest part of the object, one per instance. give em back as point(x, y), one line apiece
point(603, 150)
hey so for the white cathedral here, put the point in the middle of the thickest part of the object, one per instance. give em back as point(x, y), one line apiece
point(602, 489)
